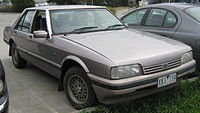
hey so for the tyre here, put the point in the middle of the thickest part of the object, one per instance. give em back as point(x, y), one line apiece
point(78, 88)
point(18, 62)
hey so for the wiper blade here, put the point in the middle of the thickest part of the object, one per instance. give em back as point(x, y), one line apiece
point(79, 30)
point(115, 25)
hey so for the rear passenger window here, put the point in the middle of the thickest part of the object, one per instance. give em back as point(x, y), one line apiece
point(19, 26)
point(135, 18)
point(26, 27)
point(26, 22)
point(156, 18)
point(170, 20)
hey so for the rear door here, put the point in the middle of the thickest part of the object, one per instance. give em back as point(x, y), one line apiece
point(134, 19)
point(22, 32)
point(160, 21)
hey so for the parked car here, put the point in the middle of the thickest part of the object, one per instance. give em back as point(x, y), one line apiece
point(179, 21)
point(4, 101)
point(95, 56)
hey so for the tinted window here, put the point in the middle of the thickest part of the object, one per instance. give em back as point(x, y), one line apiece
point(135, 17)
point(156, 17)
point(194, 12)
point(170, 20)
point(26, 26)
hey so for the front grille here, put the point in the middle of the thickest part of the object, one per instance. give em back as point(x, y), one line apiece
point(161, 67)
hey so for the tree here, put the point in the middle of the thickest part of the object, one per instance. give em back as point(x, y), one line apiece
point(20, 5)
point(12, 1)
point(124, 2)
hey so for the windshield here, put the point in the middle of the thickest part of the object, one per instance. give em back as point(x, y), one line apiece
point(65, 21)
point(194, 13)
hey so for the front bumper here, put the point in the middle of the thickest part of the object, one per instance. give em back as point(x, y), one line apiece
point(116, 91)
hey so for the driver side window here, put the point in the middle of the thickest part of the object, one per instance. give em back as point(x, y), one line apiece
point(40, 21)
point(135, 17)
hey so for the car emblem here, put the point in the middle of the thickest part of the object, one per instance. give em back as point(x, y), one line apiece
point(164, 66)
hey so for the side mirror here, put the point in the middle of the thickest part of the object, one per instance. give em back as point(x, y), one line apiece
point(40, 34)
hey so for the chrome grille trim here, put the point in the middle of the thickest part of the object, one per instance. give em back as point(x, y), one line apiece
point(159, 67)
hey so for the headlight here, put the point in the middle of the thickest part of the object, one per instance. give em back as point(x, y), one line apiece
point(126, 71)
point(1, 85)
point(186, 57)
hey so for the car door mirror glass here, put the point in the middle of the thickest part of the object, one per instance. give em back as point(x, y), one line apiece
point(40, 34)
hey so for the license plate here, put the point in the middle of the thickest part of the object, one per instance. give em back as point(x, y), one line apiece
point(166, 80)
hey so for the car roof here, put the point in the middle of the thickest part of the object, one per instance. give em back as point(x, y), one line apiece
point(64, 7)
point(180, 6)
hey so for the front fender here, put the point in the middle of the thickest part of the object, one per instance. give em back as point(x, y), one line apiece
point(76, 59)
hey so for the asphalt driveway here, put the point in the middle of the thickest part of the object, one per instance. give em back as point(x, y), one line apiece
point(31, 90)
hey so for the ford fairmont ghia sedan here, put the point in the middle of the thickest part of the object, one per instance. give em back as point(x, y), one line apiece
point(95, 57)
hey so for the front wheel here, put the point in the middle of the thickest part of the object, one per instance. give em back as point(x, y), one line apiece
point(78, 88)
point(18, 62)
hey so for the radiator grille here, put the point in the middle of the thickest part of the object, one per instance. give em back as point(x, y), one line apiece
point(161, 67)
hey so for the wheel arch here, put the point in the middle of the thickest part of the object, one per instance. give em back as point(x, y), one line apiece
point(68, 62)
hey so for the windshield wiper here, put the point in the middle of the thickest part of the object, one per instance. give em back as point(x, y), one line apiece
point(115, 25)
point(79, 30)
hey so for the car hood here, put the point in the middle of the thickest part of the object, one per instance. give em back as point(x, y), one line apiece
point(128, 46)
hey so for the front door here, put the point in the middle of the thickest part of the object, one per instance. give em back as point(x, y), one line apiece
point(135, 18)
point(43, 52)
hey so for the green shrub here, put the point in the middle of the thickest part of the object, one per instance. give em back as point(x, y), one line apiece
point(111, 9)
point(184, 98)
point(20, 5)
point(6, 8)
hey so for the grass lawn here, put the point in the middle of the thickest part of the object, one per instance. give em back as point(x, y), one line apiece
point(182, 99)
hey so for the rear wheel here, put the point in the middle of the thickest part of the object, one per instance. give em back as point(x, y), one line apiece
point(78, 88)
point(18, 62)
